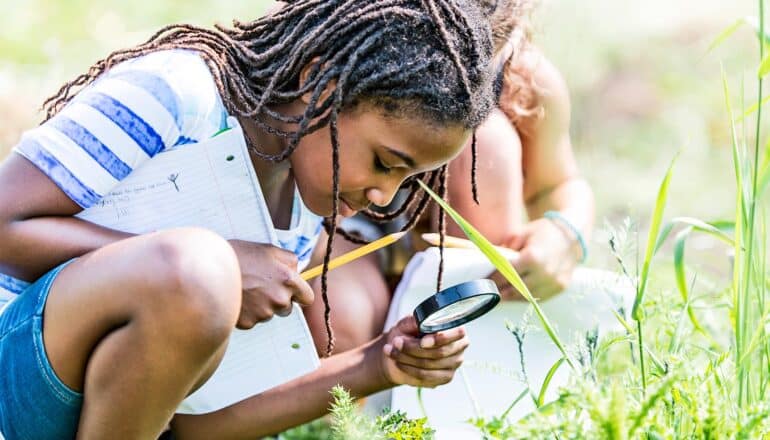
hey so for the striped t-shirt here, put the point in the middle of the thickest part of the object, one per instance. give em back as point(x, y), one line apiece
point(137, 109)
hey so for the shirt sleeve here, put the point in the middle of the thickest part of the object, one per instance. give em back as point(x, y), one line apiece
point(123, 119)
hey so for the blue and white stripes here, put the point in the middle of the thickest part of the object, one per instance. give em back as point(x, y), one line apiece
point(127, 116)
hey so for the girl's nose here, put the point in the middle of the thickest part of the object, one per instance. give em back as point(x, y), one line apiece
point(383, 195)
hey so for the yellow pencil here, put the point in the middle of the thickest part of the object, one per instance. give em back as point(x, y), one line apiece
point(354, 254)
point(455, 242)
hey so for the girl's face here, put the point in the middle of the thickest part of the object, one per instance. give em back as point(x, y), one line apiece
point(376, 154)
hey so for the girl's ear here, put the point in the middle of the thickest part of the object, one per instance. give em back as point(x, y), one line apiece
point(303, 76)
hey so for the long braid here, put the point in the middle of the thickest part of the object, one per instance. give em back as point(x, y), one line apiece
point(410, 58)
point(334, 132)
point(442, 191)
point(474, 161)
point(330, 240)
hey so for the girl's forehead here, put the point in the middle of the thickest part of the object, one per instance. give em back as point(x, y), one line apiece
point(419, 143)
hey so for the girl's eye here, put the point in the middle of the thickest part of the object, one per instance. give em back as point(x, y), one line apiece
point(379, 166)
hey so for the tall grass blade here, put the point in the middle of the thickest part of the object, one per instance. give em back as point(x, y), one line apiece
point(751, 109)
point(503, 266)
point(681, 278)
point(726, 33)
point(764, 67)
point(652, 237)
point(547, 381)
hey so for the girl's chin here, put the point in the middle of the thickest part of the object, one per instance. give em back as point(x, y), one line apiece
point(343, 209)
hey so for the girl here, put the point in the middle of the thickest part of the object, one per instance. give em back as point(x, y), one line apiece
point(525, 162)
point(340, 101)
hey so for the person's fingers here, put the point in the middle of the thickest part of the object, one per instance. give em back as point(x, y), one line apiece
point(442, 363)
point(285, 312)
point(525, 263)
point(408, 326)
point(412, 350)
point(516, 241)
point(417, 347)
point(286, 257)
point(507, 291)
point(541, 286)
point(302, 293)
point(426, 378)
point(249, 318)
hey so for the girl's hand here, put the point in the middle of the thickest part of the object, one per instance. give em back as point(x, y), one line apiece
point(426, 361)
point(547, 257)
point(270, 282)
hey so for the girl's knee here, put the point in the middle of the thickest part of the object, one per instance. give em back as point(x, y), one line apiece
point(194, 281)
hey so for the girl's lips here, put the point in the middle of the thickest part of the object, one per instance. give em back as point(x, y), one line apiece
point(345, 209)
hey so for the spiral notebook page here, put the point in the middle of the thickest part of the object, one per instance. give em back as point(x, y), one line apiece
point(252, 365)
point(212, 185)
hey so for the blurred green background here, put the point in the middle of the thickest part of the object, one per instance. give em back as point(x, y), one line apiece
point(642, 83)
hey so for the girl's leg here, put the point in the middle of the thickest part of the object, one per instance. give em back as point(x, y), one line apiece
point(138, 324)
point(359, 299)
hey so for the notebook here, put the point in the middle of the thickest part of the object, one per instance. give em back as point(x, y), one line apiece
point(212, 184)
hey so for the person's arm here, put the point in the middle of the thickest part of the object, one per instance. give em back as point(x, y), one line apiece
point(552, 178)
point(36, 224)
point(107, 130)
point(397, 357)
point(551, 246)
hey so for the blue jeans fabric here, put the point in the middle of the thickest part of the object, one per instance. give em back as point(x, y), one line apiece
point(34, 403)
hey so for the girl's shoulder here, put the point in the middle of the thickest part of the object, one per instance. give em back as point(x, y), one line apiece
point(182, 82)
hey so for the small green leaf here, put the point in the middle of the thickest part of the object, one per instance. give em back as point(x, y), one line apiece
point(726, 33)
point(547, 381)
point(652, 238)
point(764, 67)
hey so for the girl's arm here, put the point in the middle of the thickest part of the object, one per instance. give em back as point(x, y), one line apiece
point(36, 224)
point(552, 180)
point(550, 246)
point(397, 357)
point(290, 404)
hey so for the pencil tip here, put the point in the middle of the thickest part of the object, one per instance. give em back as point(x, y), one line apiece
point(398, 235)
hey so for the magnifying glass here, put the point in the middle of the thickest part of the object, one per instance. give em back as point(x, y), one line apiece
point(456, 305)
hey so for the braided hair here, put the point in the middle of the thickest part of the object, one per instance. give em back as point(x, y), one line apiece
point(421, 58)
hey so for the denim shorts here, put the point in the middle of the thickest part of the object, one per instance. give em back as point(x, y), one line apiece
point(34, 403)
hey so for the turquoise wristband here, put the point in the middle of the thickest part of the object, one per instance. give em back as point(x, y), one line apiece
point(557, 216)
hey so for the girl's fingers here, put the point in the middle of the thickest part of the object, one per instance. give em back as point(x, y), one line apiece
point(447, 347)
point(426, 378)
point(445, 337)
point(451, 362)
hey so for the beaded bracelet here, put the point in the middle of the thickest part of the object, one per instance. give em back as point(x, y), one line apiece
point(557, 216)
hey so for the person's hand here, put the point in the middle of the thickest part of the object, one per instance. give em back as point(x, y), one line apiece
point(426, 361)
point(547, 257)
point(270, 282)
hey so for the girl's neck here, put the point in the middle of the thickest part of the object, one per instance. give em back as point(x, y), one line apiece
point(275, 178)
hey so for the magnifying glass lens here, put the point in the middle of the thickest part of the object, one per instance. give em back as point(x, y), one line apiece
point(457, 310)
point(456, 305)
